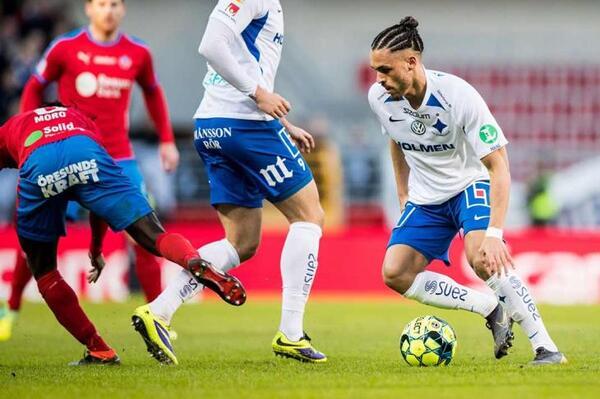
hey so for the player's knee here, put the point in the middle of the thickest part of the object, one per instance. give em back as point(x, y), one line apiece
point(397, 277)
point(309, 214)
point(317, 215)
point(480, 267)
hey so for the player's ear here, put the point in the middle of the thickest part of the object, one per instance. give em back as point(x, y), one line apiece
point(413, 62)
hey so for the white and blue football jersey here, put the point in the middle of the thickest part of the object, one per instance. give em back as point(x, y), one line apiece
point(258, 25)
point(444, 139)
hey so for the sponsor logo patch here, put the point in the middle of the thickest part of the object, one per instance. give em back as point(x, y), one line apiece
point(125, 62)
point(232, 9)
point(84, 57)
point(418, 128)
point(445, 289)
point(430, 286)
point(276, 173)
point(69, 176)
point(103, 86)
point(33, 138)
point(488, 134)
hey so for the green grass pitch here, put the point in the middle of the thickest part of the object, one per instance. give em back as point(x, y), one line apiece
point(224, 352)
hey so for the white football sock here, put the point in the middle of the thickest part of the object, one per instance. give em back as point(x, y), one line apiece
point(298, 269)
point(184, 286)
point(515, 297)
point(441, 291)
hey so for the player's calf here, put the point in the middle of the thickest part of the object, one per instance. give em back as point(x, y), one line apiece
point(149, 233)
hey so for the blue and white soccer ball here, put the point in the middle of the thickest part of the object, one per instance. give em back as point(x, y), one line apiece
point(428, 341)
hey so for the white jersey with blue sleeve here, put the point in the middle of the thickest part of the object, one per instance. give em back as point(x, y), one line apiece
point(444, 139)
point(256, 47)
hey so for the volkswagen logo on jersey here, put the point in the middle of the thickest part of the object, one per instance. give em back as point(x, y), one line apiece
point(418, 128)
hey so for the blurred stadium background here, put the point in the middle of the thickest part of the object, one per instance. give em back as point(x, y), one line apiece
point(535, 63)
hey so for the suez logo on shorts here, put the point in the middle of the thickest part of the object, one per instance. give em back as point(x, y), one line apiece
point(434, 287)
point(211, 136)
point(523, 293)
point(69, 176)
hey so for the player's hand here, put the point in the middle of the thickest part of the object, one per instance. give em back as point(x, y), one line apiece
point(169, 156)
point(303, 140)
point(271, 103)
point(98, 264)
point(496, 256)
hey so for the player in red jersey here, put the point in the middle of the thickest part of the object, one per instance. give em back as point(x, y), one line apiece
point(95, 68)
point(59, 159)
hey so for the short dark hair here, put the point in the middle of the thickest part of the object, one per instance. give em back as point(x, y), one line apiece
point(399, 37)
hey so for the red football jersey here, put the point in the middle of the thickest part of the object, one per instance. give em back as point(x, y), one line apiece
point(97, 78)
point(25, 132)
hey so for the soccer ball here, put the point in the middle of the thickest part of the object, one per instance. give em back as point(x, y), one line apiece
point(428, 341)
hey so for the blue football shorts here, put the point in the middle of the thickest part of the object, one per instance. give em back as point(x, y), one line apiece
point(431, 228)
point(249, 161)
point(131, 170)
point(75, 169)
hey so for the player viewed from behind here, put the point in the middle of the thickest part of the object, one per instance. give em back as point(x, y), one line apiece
point(451, 166)
point(95, 68)
point(59, 159)
point(250, 153)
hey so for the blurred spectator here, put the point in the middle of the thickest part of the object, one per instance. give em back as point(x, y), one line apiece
point(160, 184)
point(543, 209)
point(26, 28)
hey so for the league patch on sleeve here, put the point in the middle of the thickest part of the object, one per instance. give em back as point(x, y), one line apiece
point(488, 134)
point(232, 9)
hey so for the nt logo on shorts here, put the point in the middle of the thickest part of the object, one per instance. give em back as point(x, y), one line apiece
point(276, 173)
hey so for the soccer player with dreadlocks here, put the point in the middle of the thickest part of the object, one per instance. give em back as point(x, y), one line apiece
point(452, 173)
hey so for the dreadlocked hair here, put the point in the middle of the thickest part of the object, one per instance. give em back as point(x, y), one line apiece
point(399, 37)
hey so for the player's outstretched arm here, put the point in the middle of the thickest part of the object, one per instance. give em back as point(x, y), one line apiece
point(216, 48)
point(494, 250)
point(156, 104)
point(401, 171)
point(158, 109)
point(99, 228)
point(33, 95)
point(48, 69)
